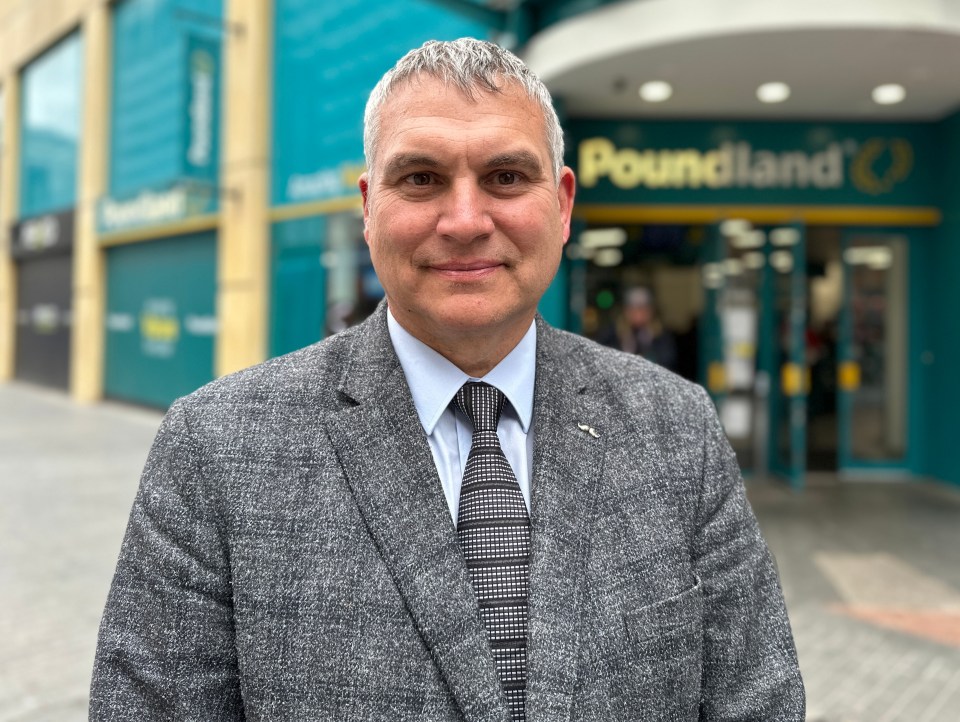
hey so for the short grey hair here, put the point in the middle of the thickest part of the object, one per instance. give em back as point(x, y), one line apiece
point(470, 65)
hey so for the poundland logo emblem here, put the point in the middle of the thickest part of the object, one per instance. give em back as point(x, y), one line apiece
point(739, 165)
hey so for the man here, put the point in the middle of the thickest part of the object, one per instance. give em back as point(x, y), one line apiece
point(362, 531)
point(638, 330)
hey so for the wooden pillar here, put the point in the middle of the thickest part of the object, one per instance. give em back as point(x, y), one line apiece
point(244, 236)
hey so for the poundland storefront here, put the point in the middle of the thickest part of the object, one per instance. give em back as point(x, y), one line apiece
point(790, 264)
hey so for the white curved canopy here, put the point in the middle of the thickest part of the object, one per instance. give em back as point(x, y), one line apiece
point(715, 53)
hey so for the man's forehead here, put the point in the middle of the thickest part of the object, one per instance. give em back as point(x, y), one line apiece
point(420, 104)
point(426, 86)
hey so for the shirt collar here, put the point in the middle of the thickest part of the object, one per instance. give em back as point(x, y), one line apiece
point(434, 381)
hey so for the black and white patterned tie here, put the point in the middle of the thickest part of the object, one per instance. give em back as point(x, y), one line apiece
point(494, 532)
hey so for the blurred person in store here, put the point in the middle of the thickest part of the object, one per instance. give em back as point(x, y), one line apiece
point(451, 511)
point(638, 330)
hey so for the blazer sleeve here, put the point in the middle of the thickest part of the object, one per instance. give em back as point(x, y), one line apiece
point(750, 670)
point(166, 647)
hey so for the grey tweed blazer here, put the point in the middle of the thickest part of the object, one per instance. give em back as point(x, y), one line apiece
point(290, 556)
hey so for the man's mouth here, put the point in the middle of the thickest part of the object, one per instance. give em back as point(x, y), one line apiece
point(467, 270)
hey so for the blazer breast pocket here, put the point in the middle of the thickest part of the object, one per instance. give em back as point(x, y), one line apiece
point(658, 676)
point(671, 615)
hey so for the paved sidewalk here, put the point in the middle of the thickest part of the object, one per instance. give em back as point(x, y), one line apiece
point(871, 571)
point(67, 478)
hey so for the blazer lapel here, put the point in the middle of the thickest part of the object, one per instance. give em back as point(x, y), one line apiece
point(568, 464)
point(390, 470)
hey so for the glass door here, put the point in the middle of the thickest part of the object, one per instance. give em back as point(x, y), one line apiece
point(786, 258)
point(872, 349)
point(732, 269)
point(753, 341)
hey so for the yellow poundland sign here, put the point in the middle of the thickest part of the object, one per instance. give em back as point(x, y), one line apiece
point(740, 165)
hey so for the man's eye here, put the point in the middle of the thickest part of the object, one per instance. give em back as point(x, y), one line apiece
point(507, 178)
point(420, 179)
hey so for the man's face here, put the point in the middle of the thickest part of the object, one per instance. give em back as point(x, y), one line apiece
point(463, 216)
point(638, 316)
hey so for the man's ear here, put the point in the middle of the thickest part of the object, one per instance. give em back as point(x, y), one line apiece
point(364, 184)
point(566, 190)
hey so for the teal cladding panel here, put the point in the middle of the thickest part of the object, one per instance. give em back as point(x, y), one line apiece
point(657, 162)
point(150, 126)
point(921, 333)
point(554, 306)
point(298, 293)
point(942, 340)
point(328, 58)
point(50, 128)
point(161, 319)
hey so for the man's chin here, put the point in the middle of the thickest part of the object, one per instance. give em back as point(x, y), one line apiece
point(476, 317)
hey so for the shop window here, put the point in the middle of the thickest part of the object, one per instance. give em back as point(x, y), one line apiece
point(50, 128)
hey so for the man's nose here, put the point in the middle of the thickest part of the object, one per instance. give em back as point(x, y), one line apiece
point(464, 215)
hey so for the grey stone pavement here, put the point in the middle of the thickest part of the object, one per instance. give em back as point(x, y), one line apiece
point(871, 571)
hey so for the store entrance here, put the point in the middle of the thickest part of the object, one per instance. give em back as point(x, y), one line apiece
point(798, 332)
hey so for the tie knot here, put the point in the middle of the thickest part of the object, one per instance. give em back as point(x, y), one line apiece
point(482, 403)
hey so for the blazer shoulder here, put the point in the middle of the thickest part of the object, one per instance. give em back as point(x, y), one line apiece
point(310, 375)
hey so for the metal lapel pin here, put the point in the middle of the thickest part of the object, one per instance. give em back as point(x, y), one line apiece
point(589, 429)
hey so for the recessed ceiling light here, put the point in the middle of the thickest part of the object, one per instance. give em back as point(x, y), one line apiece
point(608, 257)
point(735, 227)
point(784, 237)
point(603, 237)
point(656, 91)
point(875, 257)
point(889, 94)
point(782, 261)
point(751, 239)
point(773, 92)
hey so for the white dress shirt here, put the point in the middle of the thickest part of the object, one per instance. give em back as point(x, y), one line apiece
point(434, 381)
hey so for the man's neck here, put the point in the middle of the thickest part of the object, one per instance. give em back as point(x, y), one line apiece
point(474, 353)
point(477, 355)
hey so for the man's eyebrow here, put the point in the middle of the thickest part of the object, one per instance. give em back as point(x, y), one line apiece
point(521, 159)
point(406, 162)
